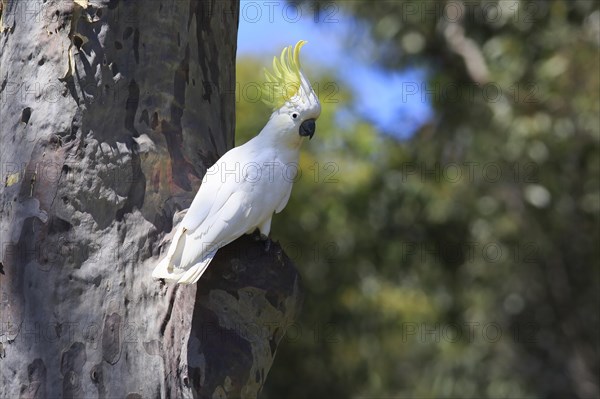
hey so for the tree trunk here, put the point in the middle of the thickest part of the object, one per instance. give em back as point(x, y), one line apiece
point(111, 112)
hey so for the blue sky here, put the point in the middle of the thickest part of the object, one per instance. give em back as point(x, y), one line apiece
point(391, 100)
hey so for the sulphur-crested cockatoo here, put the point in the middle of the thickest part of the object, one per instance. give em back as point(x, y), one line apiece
point(249, 183)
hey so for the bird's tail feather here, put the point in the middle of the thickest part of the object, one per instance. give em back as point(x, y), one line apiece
point(193, 274)
point(162, 271)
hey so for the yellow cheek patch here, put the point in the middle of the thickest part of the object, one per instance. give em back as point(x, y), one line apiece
point(284, 81)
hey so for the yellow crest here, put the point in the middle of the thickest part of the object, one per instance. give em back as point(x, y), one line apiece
point(284, 82)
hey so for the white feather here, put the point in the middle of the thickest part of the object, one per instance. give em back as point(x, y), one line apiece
point(240, 192)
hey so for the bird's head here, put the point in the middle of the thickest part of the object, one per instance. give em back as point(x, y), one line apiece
point(294, 102)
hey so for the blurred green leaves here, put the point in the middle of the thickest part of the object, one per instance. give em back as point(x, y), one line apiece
point(463, 262)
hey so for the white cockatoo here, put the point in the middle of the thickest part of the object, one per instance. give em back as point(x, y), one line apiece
point(243, 189)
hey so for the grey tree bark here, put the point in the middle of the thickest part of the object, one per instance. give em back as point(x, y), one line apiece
point(111, 112)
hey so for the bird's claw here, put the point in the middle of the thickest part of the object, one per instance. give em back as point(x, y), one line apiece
point(267, 242)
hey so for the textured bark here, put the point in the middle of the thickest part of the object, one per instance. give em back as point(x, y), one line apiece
point(111, 112)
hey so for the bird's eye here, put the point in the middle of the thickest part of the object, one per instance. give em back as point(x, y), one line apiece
point(294, 115)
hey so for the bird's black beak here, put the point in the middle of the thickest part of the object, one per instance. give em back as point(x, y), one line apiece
point(307, 128)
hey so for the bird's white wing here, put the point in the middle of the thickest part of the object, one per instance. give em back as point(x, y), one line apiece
point(284, 201)
point(218, 229)
point(218, 184)
point(192, 249)
point(212, 192)
point(211, 196)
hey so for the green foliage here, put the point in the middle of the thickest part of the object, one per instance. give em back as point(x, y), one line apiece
point(464, 261)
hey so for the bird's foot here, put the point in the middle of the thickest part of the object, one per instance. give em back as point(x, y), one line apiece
point(267, 242)
point(258, 236)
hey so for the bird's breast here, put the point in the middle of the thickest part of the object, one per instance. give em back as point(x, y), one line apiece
point(269, 181)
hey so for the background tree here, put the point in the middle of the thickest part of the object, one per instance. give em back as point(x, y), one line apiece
point(111, 112)
point(461, 262)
